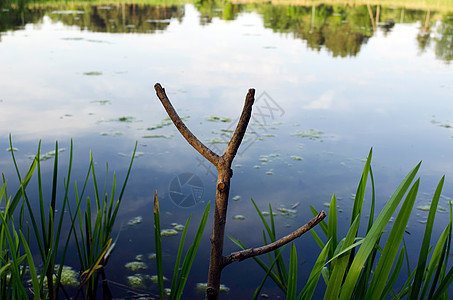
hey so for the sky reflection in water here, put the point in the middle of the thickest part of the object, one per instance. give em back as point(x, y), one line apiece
point(59, 82)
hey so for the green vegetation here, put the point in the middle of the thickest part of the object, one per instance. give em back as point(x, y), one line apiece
point(354, 267)
point(180, 272)
point(93, 239)
point(339, 27)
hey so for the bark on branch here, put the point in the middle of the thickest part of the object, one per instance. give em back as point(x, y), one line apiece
point(186, 133)
point(238, 134)
point(244, 254)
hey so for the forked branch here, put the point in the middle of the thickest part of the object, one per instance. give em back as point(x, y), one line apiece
point(223, 164)
point(251, 252)
point(186, 133)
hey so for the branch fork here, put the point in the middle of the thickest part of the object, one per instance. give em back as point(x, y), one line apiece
point(223, 164)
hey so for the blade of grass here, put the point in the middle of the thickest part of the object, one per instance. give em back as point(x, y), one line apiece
point(258, 289)
point(190, 256)
point(423, 256)
point(32, 269)
point(312, 282)
point(263, 265)
point(158, 245)
point(435, 258)
point(390, 251)
point(338, 272)
point(174, 280)
point(374, 233)
point(332, 225)
point(292, 277)
point(394, 276)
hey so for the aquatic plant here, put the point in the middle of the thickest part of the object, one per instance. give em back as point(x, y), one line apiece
point(180, 272)
point(94, 243)
point(359, 267)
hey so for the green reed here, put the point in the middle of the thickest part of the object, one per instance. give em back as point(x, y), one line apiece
point(180, 273)
point(356, 267)
point(93, 240)
point(94, 243)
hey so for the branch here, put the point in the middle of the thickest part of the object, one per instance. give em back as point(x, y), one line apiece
point(244, 254)
point(239, 133)
point(186, 133)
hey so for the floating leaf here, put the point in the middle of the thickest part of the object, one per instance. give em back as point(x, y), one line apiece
point(92, 73)
point(202, 287)
point(168, 232)
point(239, 217)
point(236, 198)
point(218, 119)
point(136, 280)
point(311, 134)
point(157, 136)
point(136, 265)
point(135, 221)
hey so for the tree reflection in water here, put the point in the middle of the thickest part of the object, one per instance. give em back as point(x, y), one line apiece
point(339, 29)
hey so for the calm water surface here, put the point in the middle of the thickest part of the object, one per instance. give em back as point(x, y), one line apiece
point(331, 82)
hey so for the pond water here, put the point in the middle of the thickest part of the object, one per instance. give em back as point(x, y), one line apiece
point(331, 82)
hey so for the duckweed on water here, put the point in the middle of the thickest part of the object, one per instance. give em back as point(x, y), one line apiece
point(135, 221)
point(155, 136)
point(136, 280)
point(127, 119)
point(311, 134)
point(294, 157)
point(12, 149)
point(154, 278)
point(236, 198)
point(68, 277)
point(92, 73)
point(202, 287)
point(136, 265)
point(139, 257)
point(217, 140)
point(177, 227)
point(47, 155)
point(218, 119)
point(102, 102)
point(269, 173)
point(239, 217)
point(168, 232)
point(152, 256)
point(286, 211)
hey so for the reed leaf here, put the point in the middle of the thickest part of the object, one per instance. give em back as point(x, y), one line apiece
point(423, 256)
point(158, 245)
point(190, 256)
point(292, 277)
point(263, 265)
point(341, 263)
point(258, 289)
point(390, 250)
point(373, 235)
point(332, 225)
point(174, 280)
point(32, 268)
point(312, 282)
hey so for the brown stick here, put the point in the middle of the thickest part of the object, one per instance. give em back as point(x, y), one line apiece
point(223, 165)
point(224, 173)
point(186, 133)
point(244, 254)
